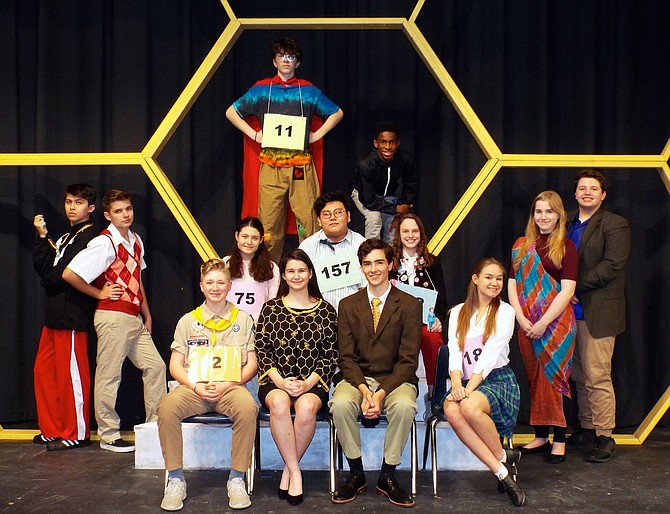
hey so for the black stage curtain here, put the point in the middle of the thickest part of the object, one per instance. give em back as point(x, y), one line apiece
point(544, 77)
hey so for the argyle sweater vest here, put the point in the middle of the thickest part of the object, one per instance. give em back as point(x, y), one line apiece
point(125, 271)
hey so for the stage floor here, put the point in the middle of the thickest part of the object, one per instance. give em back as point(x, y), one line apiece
point(94, 480)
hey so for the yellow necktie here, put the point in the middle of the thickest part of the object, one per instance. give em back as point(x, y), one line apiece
point(376, 313)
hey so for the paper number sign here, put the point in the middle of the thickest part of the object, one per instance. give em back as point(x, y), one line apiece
point(217, 364)
point(284, 131)
point(336, 271)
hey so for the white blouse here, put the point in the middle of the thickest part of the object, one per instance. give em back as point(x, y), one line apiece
point(495, 353)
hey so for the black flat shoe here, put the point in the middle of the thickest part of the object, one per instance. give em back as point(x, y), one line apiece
point(543, 448)
point(282, 494)
point(514, 491)
point(294, 500)
point(347, 492)
point(512, 456)
point(552, 458)
point(388, 486)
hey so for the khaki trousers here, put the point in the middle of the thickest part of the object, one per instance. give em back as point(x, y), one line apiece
point(399, 406)
point(592, 374)
point(301, 186)
point(236, 403)
point(121, 335)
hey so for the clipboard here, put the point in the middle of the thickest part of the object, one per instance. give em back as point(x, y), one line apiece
point(428, 297)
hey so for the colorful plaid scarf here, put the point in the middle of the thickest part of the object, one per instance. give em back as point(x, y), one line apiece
point(536, 290)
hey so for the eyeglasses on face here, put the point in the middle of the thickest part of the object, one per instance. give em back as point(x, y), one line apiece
point(337, 214)
point(286, 57)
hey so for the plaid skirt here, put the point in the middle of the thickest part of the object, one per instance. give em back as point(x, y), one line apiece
point(502, 392)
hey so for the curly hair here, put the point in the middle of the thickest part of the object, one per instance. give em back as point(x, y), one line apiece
point(421, 249)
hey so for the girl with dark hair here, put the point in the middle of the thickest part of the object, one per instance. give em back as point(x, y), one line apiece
point(296, 344)
point(416, 266)
point(541, 286)
point(484, 399)
point(255, 277)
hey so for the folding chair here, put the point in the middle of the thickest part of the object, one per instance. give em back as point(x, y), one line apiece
point(336, 448)
point(214, 418)
point(264, 417)
point(438, 419)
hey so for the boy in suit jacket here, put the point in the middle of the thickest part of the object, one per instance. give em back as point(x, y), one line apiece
point(379, 332)
point(603, 243)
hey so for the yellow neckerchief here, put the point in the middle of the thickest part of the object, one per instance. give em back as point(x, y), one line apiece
point(215, 326)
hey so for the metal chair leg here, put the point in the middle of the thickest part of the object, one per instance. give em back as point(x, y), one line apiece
point(257, 446)
point(426, 444)
point(251, 472)
point(433, 454)
point(414, 458)
point(333, 443)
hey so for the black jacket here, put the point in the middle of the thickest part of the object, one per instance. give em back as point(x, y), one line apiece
point(66, 308)
point(374, 179)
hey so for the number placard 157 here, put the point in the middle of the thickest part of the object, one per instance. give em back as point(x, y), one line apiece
point(339, 270)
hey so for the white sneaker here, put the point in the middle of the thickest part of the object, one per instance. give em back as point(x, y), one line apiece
point(175, 494)
point(118, 446)
point(237, 494)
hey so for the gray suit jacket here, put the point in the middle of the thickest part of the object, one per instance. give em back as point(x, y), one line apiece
point(603, 253)
point(391, 354)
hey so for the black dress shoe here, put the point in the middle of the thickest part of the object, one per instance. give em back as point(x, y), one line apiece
point(514, 491)
point(543, 448)
point(282, 494)
point(604, 449)
point(388, 486)
point(294, 500)
point(347, 492)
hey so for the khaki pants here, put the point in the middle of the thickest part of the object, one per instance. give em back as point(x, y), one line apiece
point(592, 374)
point(121, 335)
point(236, 403)
point(301, 186)
point(399, 407)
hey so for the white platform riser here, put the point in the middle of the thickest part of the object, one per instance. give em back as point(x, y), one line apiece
point(208, 447)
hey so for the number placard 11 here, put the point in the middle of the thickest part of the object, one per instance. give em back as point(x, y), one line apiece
point(284, 131)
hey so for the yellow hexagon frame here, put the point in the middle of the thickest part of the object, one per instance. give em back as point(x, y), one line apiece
point(496, 160)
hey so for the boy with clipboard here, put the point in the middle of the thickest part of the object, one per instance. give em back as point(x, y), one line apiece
point(284, 105)
point(212, 358)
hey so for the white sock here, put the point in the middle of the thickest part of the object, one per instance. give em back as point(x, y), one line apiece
point(504, 457)
point(502, 472)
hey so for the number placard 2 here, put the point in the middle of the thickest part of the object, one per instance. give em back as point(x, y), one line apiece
point(284, 131)
point(339, 270)
point(215, 364)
